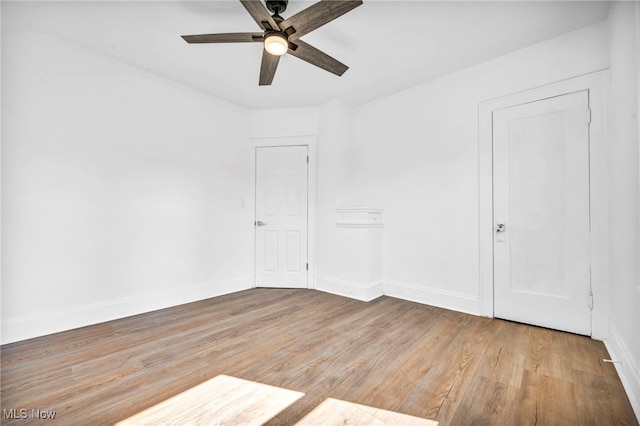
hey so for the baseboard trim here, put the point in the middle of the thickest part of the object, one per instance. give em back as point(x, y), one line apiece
point(355, 290)
point(435, 297)
point(27, 327)
point(627, 368)
point(411, 292)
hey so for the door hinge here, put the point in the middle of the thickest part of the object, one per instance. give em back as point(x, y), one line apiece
point(307, 266)
point(307, 159)
point(590, 291)
point(588, 115)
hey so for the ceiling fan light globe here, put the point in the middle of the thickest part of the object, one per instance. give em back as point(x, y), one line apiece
point(276, 44)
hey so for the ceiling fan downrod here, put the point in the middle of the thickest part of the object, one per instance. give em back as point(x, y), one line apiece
point(277, 6)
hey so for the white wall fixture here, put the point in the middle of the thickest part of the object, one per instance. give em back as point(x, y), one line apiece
point(359, 217)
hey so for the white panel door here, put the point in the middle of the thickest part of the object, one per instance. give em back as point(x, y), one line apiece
point(281, 216)
point(541, 213)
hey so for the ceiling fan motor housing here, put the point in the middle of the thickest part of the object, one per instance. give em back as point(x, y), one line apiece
point(277, 6)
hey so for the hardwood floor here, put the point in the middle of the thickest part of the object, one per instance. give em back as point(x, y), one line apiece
point(389, 354)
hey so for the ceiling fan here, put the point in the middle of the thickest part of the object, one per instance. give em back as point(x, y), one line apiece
point(282, 36)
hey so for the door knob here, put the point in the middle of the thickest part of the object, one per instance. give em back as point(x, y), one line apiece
point(500, 227)
point(260, 223)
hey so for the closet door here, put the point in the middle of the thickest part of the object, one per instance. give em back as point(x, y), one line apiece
point(541, 213)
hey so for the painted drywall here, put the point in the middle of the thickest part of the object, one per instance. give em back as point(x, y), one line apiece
point(121, 191)
point(623, 252)
point(416, 156)
point(283, 122)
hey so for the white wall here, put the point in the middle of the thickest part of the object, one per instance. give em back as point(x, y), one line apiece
point(417, 157)
point(624, 188)
point(284, 122)
point(121, 191)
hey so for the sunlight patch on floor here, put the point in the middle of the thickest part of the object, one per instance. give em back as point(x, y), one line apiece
point(223, 400)
point(336, 412)
point(226, 400)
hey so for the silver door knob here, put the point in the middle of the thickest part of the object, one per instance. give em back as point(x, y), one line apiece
point(500, 227)
point(260, 223)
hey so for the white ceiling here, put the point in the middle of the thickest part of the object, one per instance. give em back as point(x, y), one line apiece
point(388, 45)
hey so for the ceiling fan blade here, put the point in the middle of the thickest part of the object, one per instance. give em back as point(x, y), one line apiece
point(268, 68)
point(316, 16)
point(316, 57)
point(224, 38)
point(260, 14)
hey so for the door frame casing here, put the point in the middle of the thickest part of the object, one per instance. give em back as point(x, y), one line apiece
point(595, 84)
point(271, 142)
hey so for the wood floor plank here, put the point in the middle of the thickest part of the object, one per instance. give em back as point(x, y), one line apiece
point(545, 356)
point(506, 355)
point(487, 402)
point(457, 365)
point(391, 361)
point(538, 401)
point(426, 356)
point(388, 354)
point(600, 400)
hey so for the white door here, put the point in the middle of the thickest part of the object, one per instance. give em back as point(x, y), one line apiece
point(541, 213)
point(281, 217)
